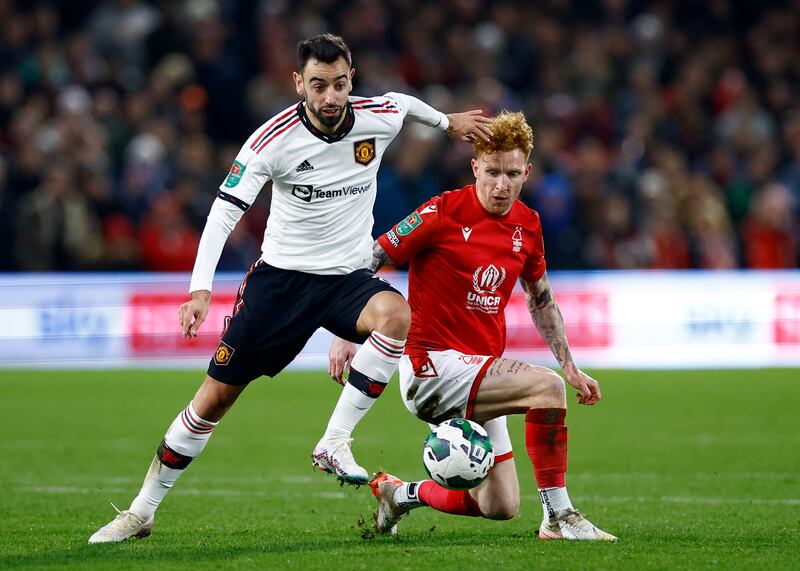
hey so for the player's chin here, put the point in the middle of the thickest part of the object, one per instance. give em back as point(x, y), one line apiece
point(500, 204)
point(330, 116)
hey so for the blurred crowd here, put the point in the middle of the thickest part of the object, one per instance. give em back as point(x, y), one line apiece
point(667, 134)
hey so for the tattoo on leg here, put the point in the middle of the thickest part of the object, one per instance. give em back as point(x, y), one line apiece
point(517, 366)
point(506, 367)
point(495, 367)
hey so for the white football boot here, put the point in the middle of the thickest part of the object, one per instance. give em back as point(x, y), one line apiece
point(335, 457)
point(126, 525)
point(570, 524)
point(388, 512)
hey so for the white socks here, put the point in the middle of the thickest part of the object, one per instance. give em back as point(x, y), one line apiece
point(185, 439)
point(407, 495)
point(554, 501)
point(350, 409)
point(372, 367)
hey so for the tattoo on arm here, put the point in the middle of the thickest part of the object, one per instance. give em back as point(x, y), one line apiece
point(379, 257)
point(548, 319)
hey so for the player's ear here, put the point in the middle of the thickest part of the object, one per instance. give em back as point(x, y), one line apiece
point(475, 167)
point(298, 84)
point(528, 169)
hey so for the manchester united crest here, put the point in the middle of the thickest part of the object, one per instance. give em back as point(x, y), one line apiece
point(223, 353)
point(364, 151)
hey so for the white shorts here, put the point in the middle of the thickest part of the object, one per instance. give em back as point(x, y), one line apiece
point(439, 385)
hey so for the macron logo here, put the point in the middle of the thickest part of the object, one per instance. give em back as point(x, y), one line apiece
point(304, 166)
point(466, 231)
point(428, 209)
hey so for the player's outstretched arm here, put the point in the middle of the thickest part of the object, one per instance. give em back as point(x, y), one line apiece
point(548, 320)
point(379, 257)
point(340, 355)
point(467, 126)
point(193, 312)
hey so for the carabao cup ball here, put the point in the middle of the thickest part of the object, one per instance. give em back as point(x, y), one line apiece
point(458, 454)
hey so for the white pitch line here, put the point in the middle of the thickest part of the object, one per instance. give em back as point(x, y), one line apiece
point(683, 500)
point(342, 495)
point(77, 490)
point(238, 480)
point(615, 476)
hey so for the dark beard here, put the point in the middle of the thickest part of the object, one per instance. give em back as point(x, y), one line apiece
point(330, 122)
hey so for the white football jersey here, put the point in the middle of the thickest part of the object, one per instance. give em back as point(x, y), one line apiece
point(323, 186)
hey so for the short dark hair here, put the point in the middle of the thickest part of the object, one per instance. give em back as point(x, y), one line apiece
point(326, 48)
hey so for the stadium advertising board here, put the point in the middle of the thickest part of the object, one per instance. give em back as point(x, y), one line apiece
point(613, 319)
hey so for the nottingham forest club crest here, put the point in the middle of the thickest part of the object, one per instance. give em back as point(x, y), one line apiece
point(516, 239)
point(364, 151)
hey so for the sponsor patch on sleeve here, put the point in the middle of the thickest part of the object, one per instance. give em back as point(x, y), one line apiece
point(411, 221)
point(393, 238)
point(235, 174)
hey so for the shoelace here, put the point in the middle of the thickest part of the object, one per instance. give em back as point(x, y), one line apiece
point(125, 513)
point(576, 519)
point(345, 442)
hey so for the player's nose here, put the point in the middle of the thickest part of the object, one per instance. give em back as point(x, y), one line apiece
point(330, 97)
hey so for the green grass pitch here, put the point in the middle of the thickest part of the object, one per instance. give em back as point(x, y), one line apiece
point(692, 469)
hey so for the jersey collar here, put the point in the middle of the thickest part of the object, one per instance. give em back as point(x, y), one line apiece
point(344, 129)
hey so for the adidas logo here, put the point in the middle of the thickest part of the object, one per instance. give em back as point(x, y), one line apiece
point(304, 166)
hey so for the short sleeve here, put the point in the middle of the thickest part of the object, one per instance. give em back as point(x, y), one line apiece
point(413, 234)
point(535, 265)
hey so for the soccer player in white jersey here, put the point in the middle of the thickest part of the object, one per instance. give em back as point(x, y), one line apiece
point(466, 249)
point(322, 156)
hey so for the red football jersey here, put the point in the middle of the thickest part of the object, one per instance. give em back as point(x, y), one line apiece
point(463, 263)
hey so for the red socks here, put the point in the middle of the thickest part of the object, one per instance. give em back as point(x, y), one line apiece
point(457, 502)
point(546, 441)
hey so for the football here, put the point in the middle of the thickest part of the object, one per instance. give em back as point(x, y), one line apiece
point(458, 454)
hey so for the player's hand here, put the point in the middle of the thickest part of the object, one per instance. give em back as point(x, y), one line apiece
point(588, 388)
point(340, 356)
point(193, 313)
point(469, 125)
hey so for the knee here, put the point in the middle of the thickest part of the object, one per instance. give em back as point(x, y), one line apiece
point(394, 318)
point(506, 508)
point(552, 391)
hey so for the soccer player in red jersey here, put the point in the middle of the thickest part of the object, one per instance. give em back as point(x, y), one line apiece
point(465, 250)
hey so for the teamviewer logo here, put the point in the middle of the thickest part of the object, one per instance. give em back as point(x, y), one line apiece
point(303, 192)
